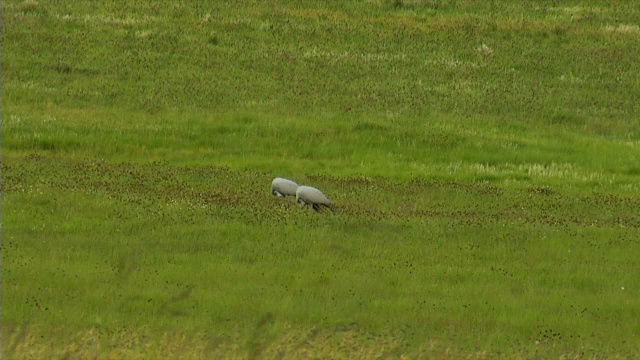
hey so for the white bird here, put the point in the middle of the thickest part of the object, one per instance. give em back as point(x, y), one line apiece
point(283, 187)
point(307, 195)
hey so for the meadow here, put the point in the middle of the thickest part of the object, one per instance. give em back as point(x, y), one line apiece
point(483, 158)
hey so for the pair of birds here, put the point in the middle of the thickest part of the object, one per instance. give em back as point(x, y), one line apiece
point(305, 195)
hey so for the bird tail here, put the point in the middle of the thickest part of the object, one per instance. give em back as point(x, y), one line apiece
point(328, 206)
point(323, 207)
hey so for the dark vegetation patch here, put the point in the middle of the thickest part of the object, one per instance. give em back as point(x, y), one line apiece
point(226, 193)
point(367, 126)
point(67, 69)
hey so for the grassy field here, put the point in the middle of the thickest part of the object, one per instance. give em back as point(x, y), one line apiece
point(483, 157)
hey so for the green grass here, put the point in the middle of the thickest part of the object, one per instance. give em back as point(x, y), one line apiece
point(135, 246)
point(483, 159)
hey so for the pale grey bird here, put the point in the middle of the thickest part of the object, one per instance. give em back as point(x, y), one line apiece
point(307, 195)
point(283, 187)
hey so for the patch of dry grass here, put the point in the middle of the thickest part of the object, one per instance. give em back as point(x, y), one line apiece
point(622, 29)
point(343, 343)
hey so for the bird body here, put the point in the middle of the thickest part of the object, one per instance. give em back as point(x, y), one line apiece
point(283, 187)
point(307, 195)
